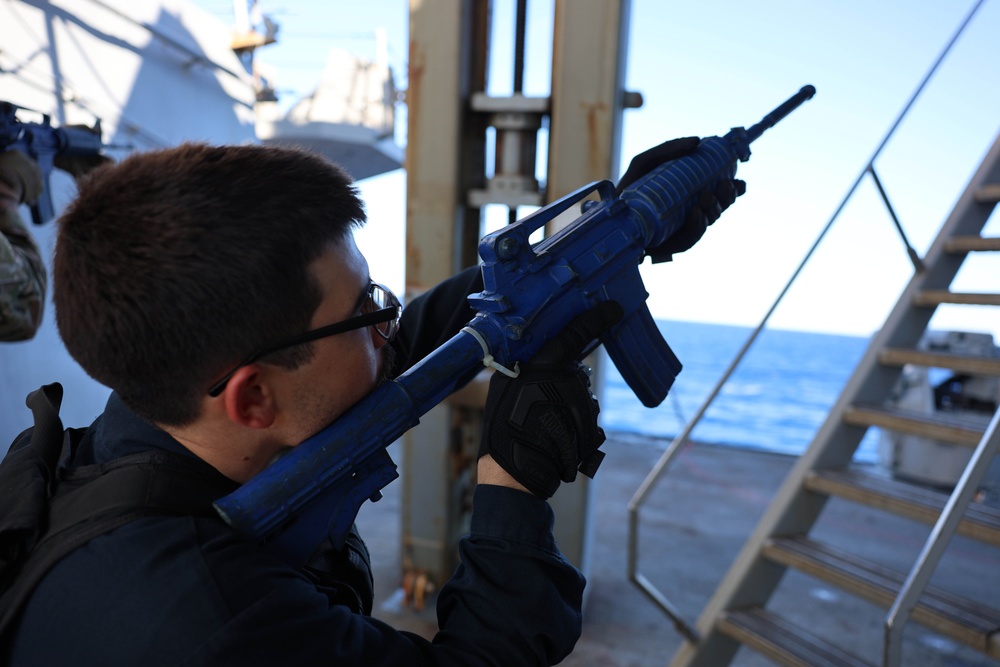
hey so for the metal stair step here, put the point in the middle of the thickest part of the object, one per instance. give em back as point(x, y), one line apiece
point(782, 641)
point(961, 363)
point(981, 522)
point(988, 194)
point(962, 244)
point(936, 297)
point(965, 430)
point(964, 620)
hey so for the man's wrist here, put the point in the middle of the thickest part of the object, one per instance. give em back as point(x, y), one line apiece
point(490, 472)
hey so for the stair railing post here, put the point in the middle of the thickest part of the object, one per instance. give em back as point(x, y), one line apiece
point(938, 541)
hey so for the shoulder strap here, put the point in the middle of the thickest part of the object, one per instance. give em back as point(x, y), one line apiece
point(47, 436)
point(93, 500)
point(26, 476)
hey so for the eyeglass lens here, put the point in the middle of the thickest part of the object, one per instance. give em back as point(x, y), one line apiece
point(380, 298)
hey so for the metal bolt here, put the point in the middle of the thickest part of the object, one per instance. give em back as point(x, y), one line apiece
point(509, 248)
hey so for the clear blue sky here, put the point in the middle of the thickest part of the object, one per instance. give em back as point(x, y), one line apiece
point(704, 67)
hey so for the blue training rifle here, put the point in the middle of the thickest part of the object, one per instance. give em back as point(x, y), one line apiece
point(530, 294)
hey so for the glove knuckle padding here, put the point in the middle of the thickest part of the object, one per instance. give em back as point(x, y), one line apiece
point(541, 425)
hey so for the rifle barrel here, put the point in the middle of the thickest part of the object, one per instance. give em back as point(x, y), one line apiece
point(786, 108)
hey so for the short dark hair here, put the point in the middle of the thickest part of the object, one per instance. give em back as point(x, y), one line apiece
point(174, 264)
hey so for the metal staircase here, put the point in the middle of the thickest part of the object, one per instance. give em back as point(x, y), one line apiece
point(738, 612)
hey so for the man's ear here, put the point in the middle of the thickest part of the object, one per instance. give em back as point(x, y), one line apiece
point(249, 401)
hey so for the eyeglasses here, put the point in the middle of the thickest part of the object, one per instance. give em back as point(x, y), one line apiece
point(381, 311)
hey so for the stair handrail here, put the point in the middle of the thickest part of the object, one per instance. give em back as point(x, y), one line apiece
point(660, 467)
point(938, 540)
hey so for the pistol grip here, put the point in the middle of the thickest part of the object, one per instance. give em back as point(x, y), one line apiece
point(643, 357)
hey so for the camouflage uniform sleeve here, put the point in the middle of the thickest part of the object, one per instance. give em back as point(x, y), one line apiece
point(22, 279)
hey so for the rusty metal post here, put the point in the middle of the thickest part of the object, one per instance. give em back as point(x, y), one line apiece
point(445, 157)
point(588, 78)
point(448, 117)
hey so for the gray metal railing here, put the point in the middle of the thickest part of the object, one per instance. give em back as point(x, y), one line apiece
point(934, 548)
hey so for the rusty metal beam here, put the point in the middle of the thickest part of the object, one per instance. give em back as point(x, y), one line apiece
point(449, 42)
point(588, 78)
point(449, 47)
point(588, 65)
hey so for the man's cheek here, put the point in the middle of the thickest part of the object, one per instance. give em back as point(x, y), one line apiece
point(388, 364)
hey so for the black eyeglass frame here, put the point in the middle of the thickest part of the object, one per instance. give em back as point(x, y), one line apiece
point(389, 314)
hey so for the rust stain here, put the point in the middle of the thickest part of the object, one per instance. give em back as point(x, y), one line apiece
point(417, 66)
point(596, 114)
point(413, 261)
point(418, 61)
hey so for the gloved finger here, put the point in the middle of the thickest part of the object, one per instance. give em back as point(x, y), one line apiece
point(570, 344)
point(645, 162)
point(712, 203)
point(707, 207)
point(684, 238)
point(22, 174)
point(727, 191)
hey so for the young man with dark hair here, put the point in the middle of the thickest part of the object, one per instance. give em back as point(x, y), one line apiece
point(171, 269)
point(219, 292)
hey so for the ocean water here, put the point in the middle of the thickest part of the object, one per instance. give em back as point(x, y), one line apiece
point(776, 400)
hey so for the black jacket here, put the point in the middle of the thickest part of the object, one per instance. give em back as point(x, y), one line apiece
point(189, 590)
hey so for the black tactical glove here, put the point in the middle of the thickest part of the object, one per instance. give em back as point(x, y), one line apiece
point(541, 427)
point(21, 174)
point(709, 203)
point(345, 575)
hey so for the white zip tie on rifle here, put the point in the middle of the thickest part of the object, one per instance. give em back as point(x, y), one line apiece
point(488, 359)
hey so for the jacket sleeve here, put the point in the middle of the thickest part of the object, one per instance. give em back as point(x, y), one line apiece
point(513, 592)
point(22, 279)
point(513, 601)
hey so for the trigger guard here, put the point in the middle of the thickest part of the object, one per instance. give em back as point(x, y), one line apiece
point(366, 483)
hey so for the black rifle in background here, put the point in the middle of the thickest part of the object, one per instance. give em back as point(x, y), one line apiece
point(43, 143)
